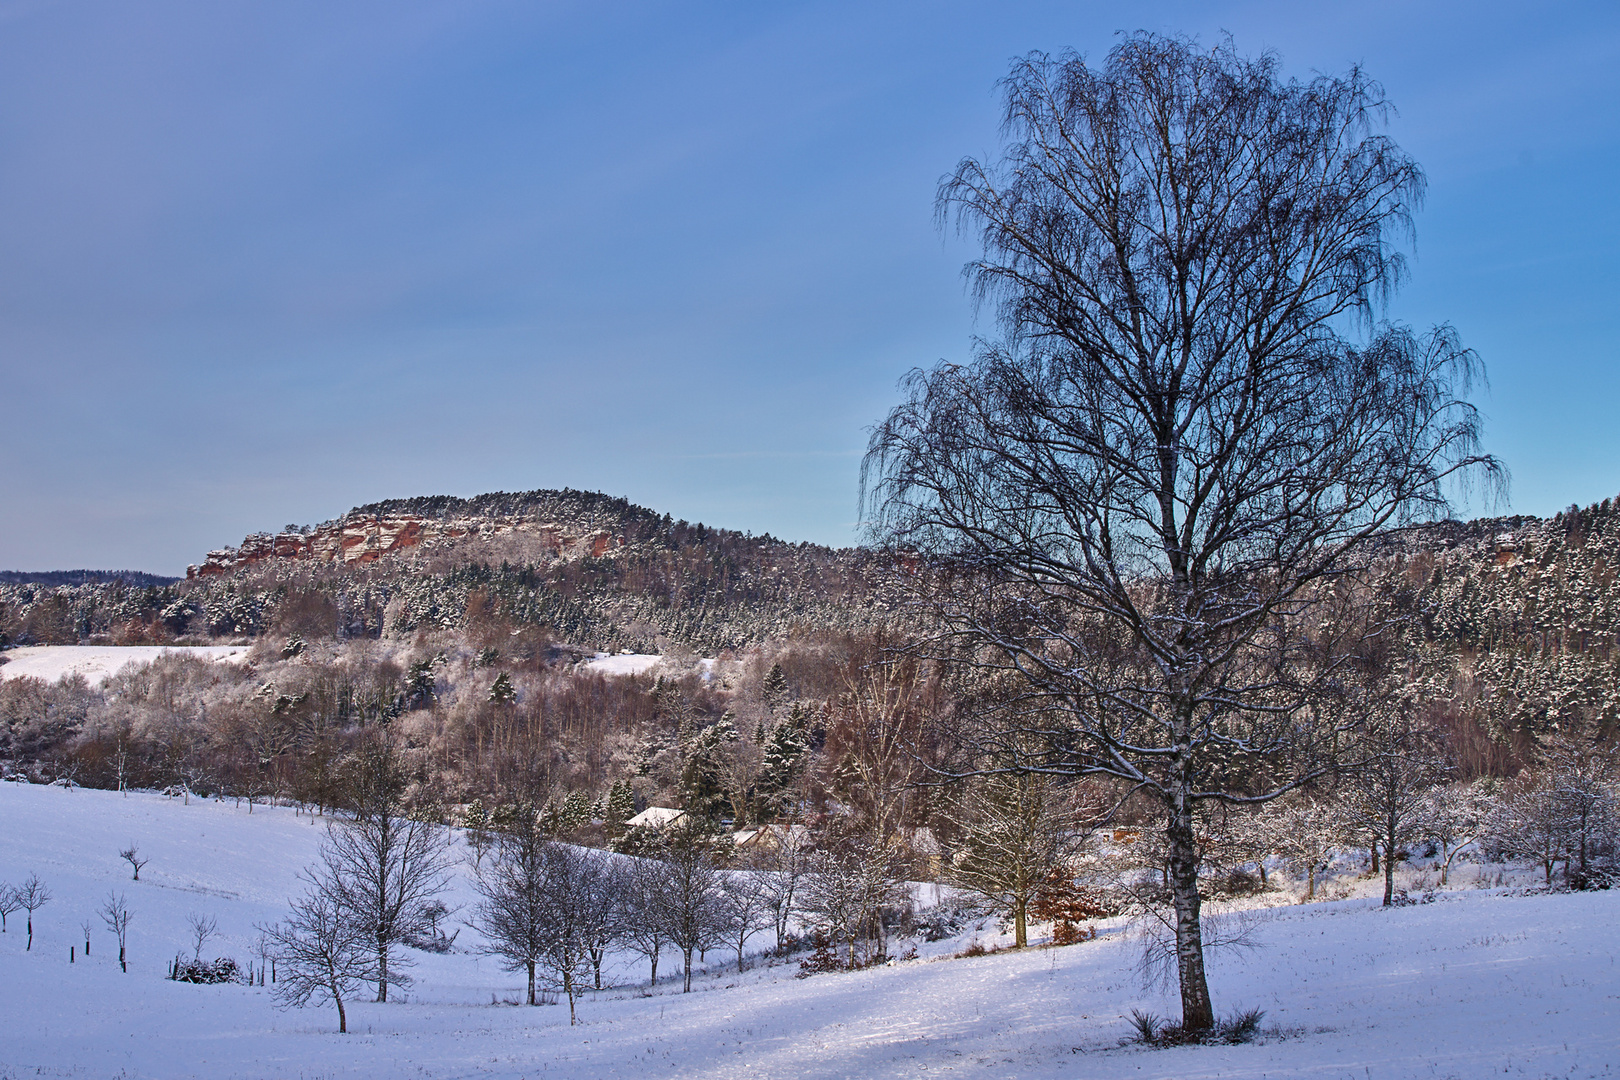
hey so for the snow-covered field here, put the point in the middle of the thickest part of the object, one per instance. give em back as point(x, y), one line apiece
point(635, 664)
point(97, 663)
point(1478, 983)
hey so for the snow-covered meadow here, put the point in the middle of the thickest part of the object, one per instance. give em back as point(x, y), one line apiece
point(1480, 982)
point(97, 663)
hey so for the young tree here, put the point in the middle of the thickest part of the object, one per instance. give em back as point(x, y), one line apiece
point(32, 895)
point(745, 908)
point(381, 868)
point(116, 914)
point(1013, 831)
point(202, 928)
point(1454, 816)
point(133, 856)
point(1306, 833)
point(601, 904)
point(514, 915)
point(1527, 821)
point(321, 952)
point(476, 824)
point(1129, 508)
point(570, 879)
point(643, 917)
point(1580, 771)
point(1388, 793)
point(781, 868)
point(10, 902)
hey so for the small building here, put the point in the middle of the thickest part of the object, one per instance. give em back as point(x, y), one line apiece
point(926, 852)
point(772, 838)
point(657, 818)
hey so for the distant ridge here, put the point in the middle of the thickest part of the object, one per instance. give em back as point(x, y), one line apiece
point(60, 578)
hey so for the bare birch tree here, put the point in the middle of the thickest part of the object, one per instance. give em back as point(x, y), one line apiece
point(1190, 432)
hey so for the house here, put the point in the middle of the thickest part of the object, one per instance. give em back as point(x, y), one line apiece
point(772, 838)
point(924, 849)
point(657, 818)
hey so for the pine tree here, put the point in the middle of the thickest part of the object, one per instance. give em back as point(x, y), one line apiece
point(502, 692)
point(621, 804)
point(775, 688)
point(787, 749)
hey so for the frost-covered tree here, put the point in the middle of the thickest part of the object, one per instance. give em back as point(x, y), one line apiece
point(1387, 795)
point(745, 908)
point(1133, 506)
point(643, 925)
point(514, 914)
point(685, 895)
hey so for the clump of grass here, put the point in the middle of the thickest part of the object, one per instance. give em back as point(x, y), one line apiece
point(1240, 1027)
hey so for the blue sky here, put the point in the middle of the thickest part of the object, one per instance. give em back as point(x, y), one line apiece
point(263, 262)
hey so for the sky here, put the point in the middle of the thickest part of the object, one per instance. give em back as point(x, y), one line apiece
point(260, 263)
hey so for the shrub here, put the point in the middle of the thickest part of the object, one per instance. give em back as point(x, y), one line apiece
point(222, 970)
point(1066, 933)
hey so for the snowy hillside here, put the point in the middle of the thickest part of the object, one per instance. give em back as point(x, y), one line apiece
point(1476, 983)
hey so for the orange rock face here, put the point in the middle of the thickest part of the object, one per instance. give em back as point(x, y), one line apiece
point(364, 538)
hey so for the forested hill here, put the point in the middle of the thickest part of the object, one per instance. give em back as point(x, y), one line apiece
point(596, 571)
point(82, 577)
point(1517, 618)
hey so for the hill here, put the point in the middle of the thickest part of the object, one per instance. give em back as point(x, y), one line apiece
point(594, 571)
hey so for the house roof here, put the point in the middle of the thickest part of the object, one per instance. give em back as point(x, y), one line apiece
point(657, 817)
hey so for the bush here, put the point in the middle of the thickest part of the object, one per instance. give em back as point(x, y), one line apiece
point(222, 970)
point(1066, 933)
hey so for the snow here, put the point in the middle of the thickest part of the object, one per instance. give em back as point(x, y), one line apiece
point(1481, 981)
point(637, 664)
point(622, 663)
point(98, 663)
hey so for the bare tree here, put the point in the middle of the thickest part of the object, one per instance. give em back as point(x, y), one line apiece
point(643, 926)
point(384, 869)
point(781, 868)
point(601, 903)
point(745, 908)
point(1306, 833)
point(513, 915)
point(133, 856)
point(1013, 832)
point(321, 953)
point(32, 895)
point(1387, 795)
point(202, 928)
point(1454, 816)
point(10, 902)
point(1128, 508)
point(116, 914)
point(686, 896)
point(1581, 771)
